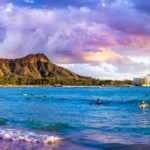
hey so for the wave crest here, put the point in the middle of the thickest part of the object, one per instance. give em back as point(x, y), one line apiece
point(26, 136)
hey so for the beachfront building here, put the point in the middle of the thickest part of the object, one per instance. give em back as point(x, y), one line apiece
point(142, 81)
point(147, 80)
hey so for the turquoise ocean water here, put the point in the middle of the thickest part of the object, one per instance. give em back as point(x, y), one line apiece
point(50, 118)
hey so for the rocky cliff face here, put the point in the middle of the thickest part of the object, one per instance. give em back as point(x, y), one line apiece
point(33, 66)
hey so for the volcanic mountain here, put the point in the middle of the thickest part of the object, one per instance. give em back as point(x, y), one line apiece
point(33, 66)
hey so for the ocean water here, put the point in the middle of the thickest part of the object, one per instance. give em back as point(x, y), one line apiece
point(50, 118)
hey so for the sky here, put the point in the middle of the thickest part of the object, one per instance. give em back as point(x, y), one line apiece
point(106, 39)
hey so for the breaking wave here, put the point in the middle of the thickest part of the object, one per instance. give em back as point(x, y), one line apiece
point(26, 136)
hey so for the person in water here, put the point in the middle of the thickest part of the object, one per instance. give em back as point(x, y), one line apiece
point(98, 102)
point(143, 102)
point(143, 105)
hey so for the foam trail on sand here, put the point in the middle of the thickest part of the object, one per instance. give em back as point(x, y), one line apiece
point(26, 136)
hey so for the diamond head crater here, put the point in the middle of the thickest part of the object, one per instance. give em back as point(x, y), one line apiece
point(37, 69)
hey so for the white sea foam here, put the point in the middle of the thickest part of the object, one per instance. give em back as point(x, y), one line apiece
point(26, 136)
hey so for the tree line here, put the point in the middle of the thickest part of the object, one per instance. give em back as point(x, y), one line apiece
point(54, 81)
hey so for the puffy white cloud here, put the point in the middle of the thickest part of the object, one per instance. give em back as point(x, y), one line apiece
point(110, 70)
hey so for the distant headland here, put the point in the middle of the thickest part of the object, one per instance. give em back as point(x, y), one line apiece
point(37, 69)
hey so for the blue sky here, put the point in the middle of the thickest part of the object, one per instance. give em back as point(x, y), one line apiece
point(108, 39)
point(56, 4)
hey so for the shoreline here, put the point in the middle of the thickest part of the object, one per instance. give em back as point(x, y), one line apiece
point(51, 86)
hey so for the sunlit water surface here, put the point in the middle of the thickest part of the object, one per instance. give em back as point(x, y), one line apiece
point(65, 119)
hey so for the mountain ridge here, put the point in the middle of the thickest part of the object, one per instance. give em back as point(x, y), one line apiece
point(33, 66)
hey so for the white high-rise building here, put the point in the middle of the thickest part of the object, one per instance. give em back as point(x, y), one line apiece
point(142, 81)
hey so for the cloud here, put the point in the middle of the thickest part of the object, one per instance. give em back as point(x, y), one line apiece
point(103, 55)
point(106, 36)
point(110, 70)
point(142, 5)
point(29, 1)
point(102, 70)
point(65, 26)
